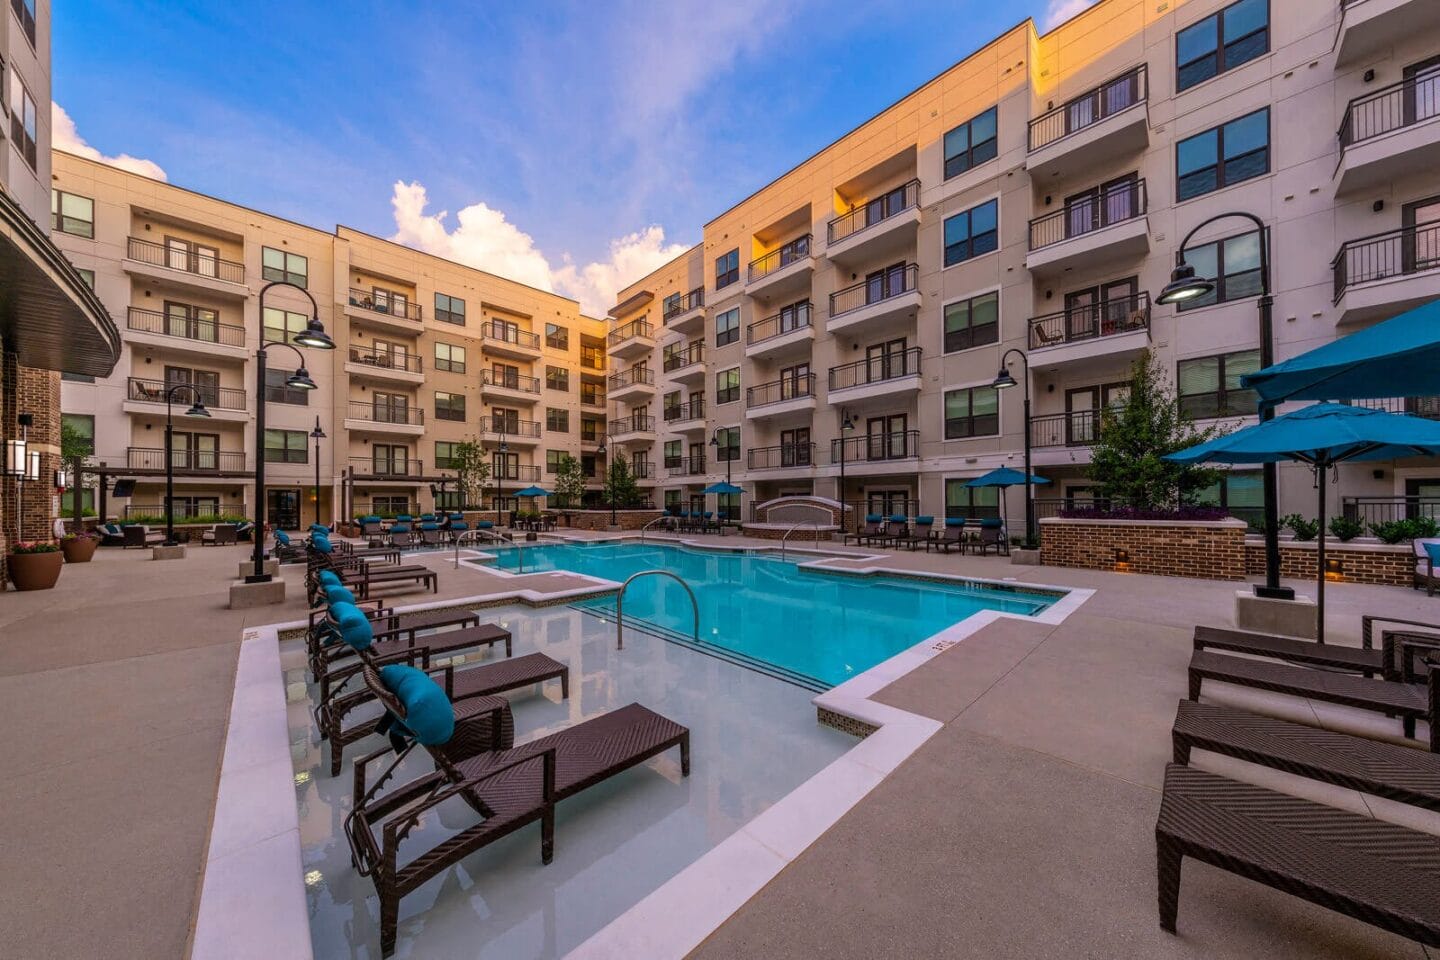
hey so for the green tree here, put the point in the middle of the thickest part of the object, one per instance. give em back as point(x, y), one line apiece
point(472, 472)
point(1126, 458)
point(620, 487)
point(569, 482)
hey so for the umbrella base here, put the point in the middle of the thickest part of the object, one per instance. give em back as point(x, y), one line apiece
point(1290, 618)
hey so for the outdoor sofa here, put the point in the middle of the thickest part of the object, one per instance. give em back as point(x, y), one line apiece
point(137, 535)
point(1427, 554)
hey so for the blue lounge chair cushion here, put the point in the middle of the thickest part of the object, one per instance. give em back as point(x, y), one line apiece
point(459, 525)
point(322, 544)
point(400, 528)
point(990, 523)
point(404, 518)
point(370, 519)
point(282, 538)
point(484, 524)
point(429, 525)
point(319, 528)
point(924, 521)
point(329, 578)
point(352, 625)
point(897, 518)
point(428, 714)
point(427, 517)
point(1433, 551)
point(954, 521)
point(873, 518)
point(334, 595)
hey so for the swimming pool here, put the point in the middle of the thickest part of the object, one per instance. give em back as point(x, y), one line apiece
point(813, 628)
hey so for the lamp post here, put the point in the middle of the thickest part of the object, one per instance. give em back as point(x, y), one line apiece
point(313, 335)
point(197, 409)
point(846, 425)
point(715, 442)
point(317, 435)
point(500, 466)
point(609, 477)
point(1003, 381)
point(1184, 286)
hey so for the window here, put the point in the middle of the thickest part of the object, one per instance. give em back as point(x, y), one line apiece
point(25, 13)
point(1210, 386)
point(281, 326)
point(278, 391)
point(449, 309)
point(592, 394)
point(727, 268)
point(70, 213)
point(970, 144)
point(587, 465)
point(590, 430)
point(972, 233)
point(1234, 265)
point(557, 378)
point(1223, 41)
point(1224, 155)
point(76, 377)
point(673, 501)
point(390, 506)
point(446, 454)
point(592, 356)
point(23, 119)
point(82, 426)
point(557, 336)
point(557, 421)
point(1241, 492)
point(552, 460)
point(670, 305)
point(286, 446)
point(88, 276)
point(284, 265)
point(727, 385)
point(727, 444)
point(972, 323)
point(449, 406)
point(972, 412)
point(449, 357)
point(970, 503)
point(674, 453)
point(727, 327)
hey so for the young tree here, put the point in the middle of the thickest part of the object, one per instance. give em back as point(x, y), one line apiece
point(620, 487)
point(1126, 458)
point(472, 472)
point(569, 482)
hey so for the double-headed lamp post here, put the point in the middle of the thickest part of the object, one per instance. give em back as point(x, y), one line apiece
point(1003, 381)
point(317, 435)
point(846, 425)
point(609, 477)
point(313, 335)
point(1185, 286)
point(197, 409)
point(501, 464)
point(715, 442)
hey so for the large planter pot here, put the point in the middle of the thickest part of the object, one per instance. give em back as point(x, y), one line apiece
point(34, 571)
point(79, 550)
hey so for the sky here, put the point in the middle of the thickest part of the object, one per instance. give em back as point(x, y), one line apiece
point(571, 146)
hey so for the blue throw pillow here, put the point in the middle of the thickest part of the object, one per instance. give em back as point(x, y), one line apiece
point(334, 595)
point(1433, 550)
point(458, 525)
point(352, 625)
point(328, 578)
point(428, 713)
point(322, 544)
point(282, 538)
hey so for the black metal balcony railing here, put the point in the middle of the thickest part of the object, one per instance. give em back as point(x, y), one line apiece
point(889, 366)
point(795, 387)
point(189, 328)
point(685, 466)
point(153, 391)
point(1390, 108)
point(185, 508)
point(592, 398)
point(1370, 510)
point(684, 357)
point(1091, 321)
point(878, 210)
point(386, 360)
point(506, 380)
point(625, 378)
point(635, 423)
point(187, 259)
point(780, 456)
point(1393, 253)
point(526, 472)
point(509, 427)
point(1090, 107)
point(381, 301)
point(642, 469)
point(786, 321)
point(693, 410)
point(506, 333)
point(387, 467)
point(635, 328)
point(1427, 408)
point(896, 445)
point(200, 461)
point(885, 286)
point(1115, 204)
point(695, 298)
point(780, 258)
point(592, 360)
point(1079, 428)
point(385, 412)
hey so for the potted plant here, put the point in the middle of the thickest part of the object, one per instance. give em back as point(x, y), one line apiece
point(79, 547)
point(34, 565)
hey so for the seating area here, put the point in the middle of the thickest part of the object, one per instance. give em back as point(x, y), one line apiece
point(978, 537)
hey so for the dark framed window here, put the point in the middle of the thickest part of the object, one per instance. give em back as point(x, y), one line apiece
point(727, 268)
point(557, 378)
point(449, 309)
point(1222, 41)
point(449, 357)
point(970, 144)
point(390, 505)
point(1234, 265)
point(1221, 156)
point(552, 460)
point(87, 275)
point(557, 421)
point(557, 337)
point(674, 453)
point(449, 406)
point(972, 412)
point(278, 391)
point(25, 13)
point(1210, 386)
point(727, 385)
point(727, 440)
point(727, 327)
point(670, 305)
point(72, 213)
point(970, 503)
point(1242, 492)
point(592, 394)
point(279, 326)
point(287, 446)
point(284, 265)
point(24, 119)
point(972, 233)
point(82, 426)
point(972, 323)
point(445, 454)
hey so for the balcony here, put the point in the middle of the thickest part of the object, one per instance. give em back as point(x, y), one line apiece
point(784, 271)
point(591, 359)
point(785, 456)
point(388, 419)
point(639, 426)
point(778, 398)
point(1388, 273)
point(592, 398)
point(188, 335)
point(634, 339)
point(1112, 329)
point(787, 333)
point(632, 384)
point(877, 453)
point(642, 469)
point(1107, 226)
point(1389, 134)
point(508, 340)
point(384, 366)
point(525, 433)
point(1061, 438)
point(878, 229)
point(188, 267)
point(1368, 27)
point(1100, 126)
point(515, 473)
point(1427, 408)
point(504, 385)
point(148, 396)
point(385, 310)
point(685, 417)
point(685, 466)
point(186, 462)
point(386, 468)
point(889, 375)
point(687, 363)
point(884, 301)
point(687, 315)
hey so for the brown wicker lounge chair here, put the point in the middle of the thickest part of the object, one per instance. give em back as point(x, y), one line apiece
point(385, 622)
point(1383, 874)
point(872, 531)
point(919, 534)
point(950, 537)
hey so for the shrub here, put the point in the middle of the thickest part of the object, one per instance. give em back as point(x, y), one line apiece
point(1302, 528)
point(1413, 528)
point(82, 535)
point(34, 546)
point(1141, 513)
point(1346, 529)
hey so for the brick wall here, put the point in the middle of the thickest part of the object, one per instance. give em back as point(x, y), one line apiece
point(1208, 550)
point(26, 509)
point(1382, 563)
point(600, 519)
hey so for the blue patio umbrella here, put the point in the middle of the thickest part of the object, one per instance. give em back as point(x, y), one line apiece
point(1004, 477)
point(722, 487)
point(1321, 435)
point(532, 492)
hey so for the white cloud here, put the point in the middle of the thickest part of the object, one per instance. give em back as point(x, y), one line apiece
point(63, 136)
point(1061, 10)
point(483, 238)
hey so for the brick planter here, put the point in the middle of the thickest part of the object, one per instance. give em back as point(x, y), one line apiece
point(600, 519)
point(1204, 549)
point(1389, 564)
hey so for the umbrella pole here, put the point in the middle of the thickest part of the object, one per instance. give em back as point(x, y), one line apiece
point(1320, 573)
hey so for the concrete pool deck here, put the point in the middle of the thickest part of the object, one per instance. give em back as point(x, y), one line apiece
point(1023, 828)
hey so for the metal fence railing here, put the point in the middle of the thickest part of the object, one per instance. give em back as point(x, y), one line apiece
point(875, 211)
point(1390, 108)
point(1114, 204)
point(188, 327)
point(1370, 510)
point(1091, 321)
point(896, 365)
point(189, 258)
point(886, 285)
point(1394, 253)
point(780, 258)
point(1089, 108)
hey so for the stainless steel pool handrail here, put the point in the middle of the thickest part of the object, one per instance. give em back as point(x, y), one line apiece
point(480, 535)
point(793, 528)
point(620, 603)
point(651, 524)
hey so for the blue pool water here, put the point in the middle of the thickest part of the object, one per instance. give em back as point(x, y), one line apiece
point(814, 628)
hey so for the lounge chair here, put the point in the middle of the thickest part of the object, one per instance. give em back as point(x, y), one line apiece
point(362, 577)
point(872, 531)
point(322, 650)
point(111, 535)
point(1356, 865)
point(286, 550)
point(457, 527)
point(371, 526)
point(992, 534)
point(919, 534)
point(137, 535)
point(403, 537)
point(1427, 554)
point(951, 536)
point(897, 526)
point(244, 530)
point(509, 789)
point(430, 534)
point(218, 535)
point(1385, 661)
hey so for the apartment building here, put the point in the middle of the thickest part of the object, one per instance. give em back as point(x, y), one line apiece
point(849, 318)
point(429, 353)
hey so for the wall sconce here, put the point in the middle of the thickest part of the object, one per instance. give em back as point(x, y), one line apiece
point(1334, 568)
point(15, 458)
point(62, 479)
point(1122, 555)
point(32, 465)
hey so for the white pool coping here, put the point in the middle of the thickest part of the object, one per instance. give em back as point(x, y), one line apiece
point(253, 902)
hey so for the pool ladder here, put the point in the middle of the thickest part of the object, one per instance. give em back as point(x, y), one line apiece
point(482, 536)
point(793, 528)
point(651, 524)
point(620, 604)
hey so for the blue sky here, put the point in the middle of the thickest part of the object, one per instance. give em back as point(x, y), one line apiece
point(585, 143)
